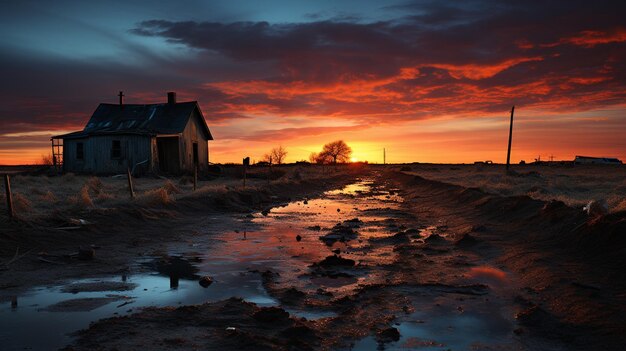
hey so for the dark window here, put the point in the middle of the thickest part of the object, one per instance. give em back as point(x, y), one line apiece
point(116, 149)
point(79, 151)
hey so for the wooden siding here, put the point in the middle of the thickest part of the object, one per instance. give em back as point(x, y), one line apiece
point(97, 154)
point(193, 133)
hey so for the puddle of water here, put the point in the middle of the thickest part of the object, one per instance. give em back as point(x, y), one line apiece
point(230, 262)
point(17, 324)
point(441, 324)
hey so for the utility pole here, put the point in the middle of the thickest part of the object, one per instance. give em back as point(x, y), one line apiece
point(508, 153)
point(384, 156)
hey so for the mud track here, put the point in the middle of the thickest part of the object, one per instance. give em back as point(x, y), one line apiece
point(429, 266)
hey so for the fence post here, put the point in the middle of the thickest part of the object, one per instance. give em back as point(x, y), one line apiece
point(7, 189)
point(130, 184)
point(195, 177)
point(508, 150)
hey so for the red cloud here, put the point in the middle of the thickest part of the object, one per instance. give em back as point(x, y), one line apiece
point(591, 38)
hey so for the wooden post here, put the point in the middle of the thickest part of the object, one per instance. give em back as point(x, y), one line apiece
point(269, 172)
point(130, 184)
point(195, 178)
point(54, 158)
point(508, 153)
point(7, 189)
point(245, 163)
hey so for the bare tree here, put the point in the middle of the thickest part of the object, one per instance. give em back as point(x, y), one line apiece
point(278, 154)
point(46, 160)
point(337, 151)
point(275, 156)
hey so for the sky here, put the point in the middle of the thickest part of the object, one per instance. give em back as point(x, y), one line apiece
point(428, 81)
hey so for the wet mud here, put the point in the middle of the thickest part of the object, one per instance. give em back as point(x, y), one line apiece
point(389, 262)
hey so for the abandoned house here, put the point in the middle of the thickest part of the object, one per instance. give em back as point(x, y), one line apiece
point(168, 138)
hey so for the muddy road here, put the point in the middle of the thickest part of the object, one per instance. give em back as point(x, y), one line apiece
point(389, 262)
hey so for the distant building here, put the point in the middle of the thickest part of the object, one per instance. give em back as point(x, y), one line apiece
point(169, 138)
point(581, 160)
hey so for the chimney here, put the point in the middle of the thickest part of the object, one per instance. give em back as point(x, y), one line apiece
point(121, 95)
point(171, 97)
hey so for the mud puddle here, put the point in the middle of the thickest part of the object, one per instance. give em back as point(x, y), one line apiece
point(307, 257)
point(267, 242)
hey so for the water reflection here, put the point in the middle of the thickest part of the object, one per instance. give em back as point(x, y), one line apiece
point(263, 243)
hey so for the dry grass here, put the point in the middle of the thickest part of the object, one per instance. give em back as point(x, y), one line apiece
point(575, 185)
point(40, 196)
point(155, 197)
point(21, 204)
point(48, 196)
point(171, 188)
point(82, 199)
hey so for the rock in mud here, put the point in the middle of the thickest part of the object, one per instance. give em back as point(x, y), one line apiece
point(435, 239)
point(292, 295)
point(596, 208)
point(339, 232)
point(398, 238)
point(205, 281)
point(271, 314)
point(388, 335)
point(412, 231)
point(353, 223)
point(298, 238)
point(178, 267)
point(466, 241)
point(334, 261)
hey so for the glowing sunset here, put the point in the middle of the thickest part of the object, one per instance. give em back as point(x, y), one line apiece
point(428, 81)
point(313, 175)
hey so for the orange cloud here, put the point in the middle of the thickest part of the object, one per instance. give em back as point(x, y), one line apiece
point(591, 38)
point(476, 72)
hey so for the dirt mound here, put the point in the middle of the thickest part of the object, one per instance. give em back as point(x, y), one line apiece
point(467, 240)
point(341, 232)
point(232, 324)
point(398, 238)
point(335, 261)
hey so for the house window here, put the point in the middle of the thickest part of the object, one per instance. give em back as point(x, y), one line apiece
point(116, 149)
point(80, 153)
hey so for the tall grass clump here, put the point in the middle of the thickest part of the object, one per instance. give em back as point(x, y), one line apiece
point(21, 203)
point(171, 188)
point(155, 197)
point(48, 196)
point(82, 199)
point(94, 184)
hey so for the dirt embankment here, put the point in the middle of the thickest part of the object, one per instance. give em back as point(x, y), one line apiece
point(571, 264)
point(46, 249)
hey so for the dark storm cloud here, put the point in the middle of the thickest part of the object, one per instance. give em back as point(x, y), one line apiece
point(429, 34)
point(433, 58)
